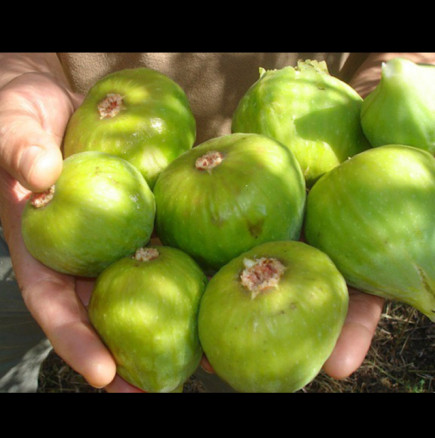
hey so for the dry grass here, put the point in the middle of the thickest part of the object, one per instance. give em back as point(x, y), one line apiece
point(401, 360)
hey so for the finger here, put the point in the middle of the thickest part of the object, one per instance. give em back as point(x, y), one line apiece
point(30, 154)
point(120, 385)
point(58, 310)
point(34, 112)
point(205, 365)
point(84, 288)
point(357, 334)
point(61, 315)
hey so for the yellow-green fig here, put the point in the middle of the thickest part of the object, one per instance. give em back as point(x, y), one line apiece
point(401, 109)
point(138, 114)
point(270, 318)
point(227, 195)
point(100, 209)
point(315, 114)
point(374, 216)
point(145, 309)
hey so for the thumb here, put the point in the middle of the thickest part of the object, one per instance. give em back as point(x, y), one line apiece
point(30, 154)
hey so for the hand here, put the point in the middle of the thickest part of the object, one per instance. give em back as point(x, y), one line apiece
point(34, 111)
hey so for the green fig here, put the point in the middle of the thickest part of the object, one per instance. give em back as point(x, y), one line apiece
point(401, 109)
point(270, 318)
point(374, 216)
point(227, 195)
point(145, 309)
point(138, 114)
point(99, 209)
point(316, 115)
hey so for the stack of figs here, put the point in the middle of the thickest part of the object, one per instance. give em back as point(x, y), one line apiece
point(198, 249)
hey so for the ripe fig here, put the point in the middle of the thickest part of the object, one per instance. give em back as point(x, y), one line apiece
point(100, 209)
point(145, 309)
point(316, 115)
point(270, 318)
point(138, 114)
point(227, 195)
point(401, 109)
point(374, 216)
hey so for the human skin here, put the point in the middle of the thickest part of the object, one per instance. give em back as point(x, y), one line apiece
point(35, 105)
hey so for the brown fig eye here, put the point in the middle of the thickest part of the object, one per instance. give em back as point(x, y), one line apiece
point(42, 199)
point(110, 106)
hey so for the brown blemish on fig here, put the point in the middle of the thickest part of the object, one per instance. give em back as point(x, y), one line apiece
point(255, 229)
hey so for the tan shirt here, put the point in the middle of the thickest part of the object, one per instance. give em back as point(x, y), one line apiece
point(214, 82)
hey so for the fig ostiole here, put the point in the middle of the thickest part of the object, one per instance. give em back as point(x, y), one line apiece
point(270, 318)
point(401, 109)
point(99, 209)
point(315, 114)
point(145, 309)
point(138, 114)
point(227, 195)
point(374, 216)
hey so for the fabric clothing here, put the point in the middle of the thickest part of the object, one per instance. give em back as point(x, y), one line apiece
point(214, 83)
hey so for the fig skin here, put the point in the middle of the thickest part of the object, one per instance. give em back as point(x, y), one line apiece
point(146, 314)
point(374, 216)
point(278, 340)
point(401, 109)
point(154, 125)
point(256, 194)
point(102, 209)
point(316, 115)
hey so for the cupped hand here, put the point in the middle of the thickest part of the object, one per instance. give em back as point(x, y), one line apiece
point(34, 111)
